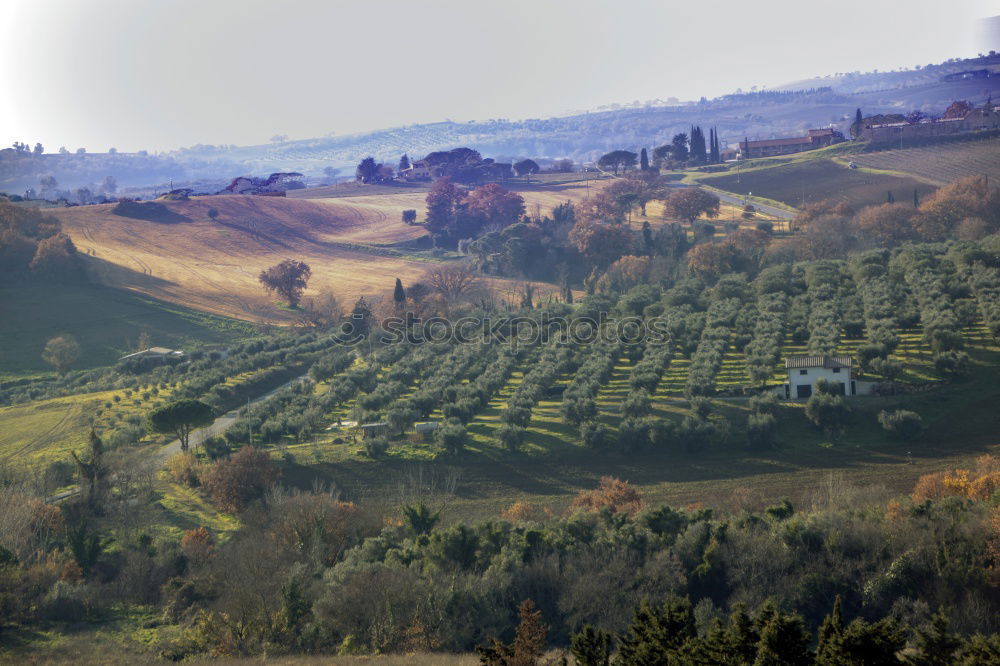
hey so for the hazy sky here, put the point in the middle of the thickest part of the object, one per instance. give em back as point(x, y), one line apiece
point(139, 74)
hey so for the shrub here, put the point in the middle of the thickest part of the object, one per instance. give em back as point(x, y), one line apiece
point(184, 469)
point(234, 483)
point(636, 403)
point(764, 403)
point(828, 412)
point(198, 545)
point(886, 367)
point(612, 494)
point(952, 363)
point(510, 436)
point(633, 434)
point(452, 437)
point(375, 447)
point(901, 423)
point(700, 407)
point(595, 435)
point(760, 430)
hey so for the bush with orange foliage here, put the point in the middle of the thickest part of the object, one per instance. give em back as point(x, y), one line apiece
point(234, 483)
point(613, 494)
point(198, 544)
point(979, 484)
point(942, 212)
point(523, 512)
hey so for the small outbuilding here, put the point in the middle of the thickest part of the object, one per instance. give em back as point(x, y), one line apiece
point(373, 430)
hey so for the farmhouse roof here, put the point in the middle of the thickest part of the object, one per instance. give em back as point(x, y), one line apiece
point(790, 141)
point(154, 351)
point(817, 362)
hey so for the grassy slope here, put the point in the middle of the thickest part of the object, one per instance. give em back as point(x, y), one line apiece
point(940, 163)
point(106, 323)
point(795, 182)
point(213, 266)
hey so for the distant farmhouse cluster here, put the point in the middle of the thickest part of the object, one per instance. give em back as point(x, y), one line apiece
point(274, 185)
point(960, 118)
point(815, 138)
point(462, 164)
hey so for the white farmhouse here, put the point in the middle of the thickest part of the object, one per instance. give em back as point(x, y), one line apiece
point(805, 371)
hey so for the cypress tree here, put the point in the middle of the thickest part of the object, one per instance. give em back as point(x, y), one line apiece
point(916, 198)
point(399, 294)
point(643, 160)
point(699, 153)
point(404, 162)
point(857, 116)
point(891, 199)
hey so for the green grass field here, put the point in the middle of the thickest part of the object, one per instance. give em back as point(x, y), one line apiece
point(106, 322)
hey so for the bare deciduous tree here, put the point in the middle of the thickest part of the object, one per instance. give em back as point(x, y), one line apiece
point(455, 283)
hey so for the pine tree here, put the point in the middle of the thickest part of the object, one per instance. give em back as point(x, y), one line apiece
point(399, 294)
point(591, 647)
point(404, 162)
point(830, 632)
point(657, 631)
point(935, 645)
point(643, 160)
point(783, 640)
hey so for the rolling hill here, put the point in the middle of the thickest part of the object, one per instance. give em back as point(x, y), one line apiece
point(184, 257)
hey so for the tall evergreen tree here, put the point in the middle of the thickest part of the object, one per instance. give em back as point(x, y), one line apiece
point(916, 198)
point(857, 116)
point(399, 294)
point(935, 645)
point(643, 160)
point(699, 154)
point(404, 162)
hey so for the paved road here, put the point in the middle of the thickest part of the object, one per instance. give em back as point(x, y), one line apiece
point(779, 213)
point(217, 427)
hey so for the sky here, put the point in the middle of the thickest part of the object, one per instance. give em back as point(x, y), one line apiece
point(145, 75)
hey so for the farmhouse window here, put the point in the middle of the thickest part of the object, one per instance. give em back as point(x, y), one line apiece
point(836, 370)
point(803, 372)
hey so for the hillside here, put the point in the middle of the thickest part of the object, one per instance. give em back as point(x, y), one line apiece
point(581, 136)
point(941, 163)
point(106, 322)
point(213, 266)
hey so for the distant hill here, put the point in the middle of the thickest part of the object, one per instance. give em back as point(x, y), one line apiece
point(786, 110)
